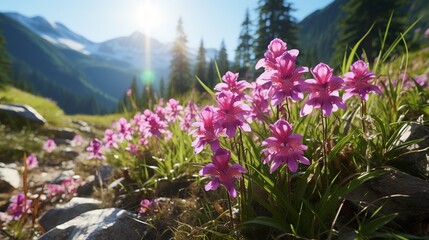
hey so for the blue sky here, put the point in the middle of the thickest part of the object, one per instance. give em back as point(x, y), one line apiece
point(100, 20)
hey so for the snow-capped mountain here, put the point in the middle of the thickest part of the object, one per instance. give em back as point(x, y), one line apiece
point(53, 32)
point(136, 50)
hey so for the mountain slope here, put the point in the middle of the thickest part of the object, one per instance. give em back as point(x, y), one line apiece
point(318, 31)
point(54, 68)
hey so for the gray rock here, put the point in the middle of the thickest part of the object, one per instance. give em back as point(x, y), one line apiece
point(62, 133)
point(396, 192)
point(65, 212)
point(87, 188)
point(69, 154)
point(83, 126)
point(416, 162)
point(9, 180)
point(63, 175)
point(105, 172)
point(19, 115)
point(102, 224)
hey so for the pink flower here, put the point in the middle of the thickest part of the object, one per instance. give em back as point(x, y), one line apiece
point(32, 161)
point(276, 48)
point(191, 111)
point(323, 91)
point(70, 185)
point(18, 206)
point(49, 146)
point(95, 150)
point(54, 190)
point(221, 173)
point(124, 130)
point(145, 206)
point(260, 108)
point(129, 92)
point(161, 112)
point(138, 121)
point(207, 130)
point(110, 139)
point(422, 80)
point(427, 33)
point(154, 126)
point(132, 148)
point(77, 140)
point(231, 84)
point(284, 147)
point(286, 80)
point(231, 113)
point(173, 110)
point(356, 82)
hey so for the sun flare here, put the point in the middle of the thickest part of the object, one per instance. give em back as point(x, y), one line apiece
point(148, 16)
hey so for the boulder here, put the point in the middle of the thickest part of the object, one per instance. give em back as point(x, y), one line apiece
point(9, 180)
point(416, 162)
point(65, 212)
point(20, 115)
point(395, 192)
point(102, 224)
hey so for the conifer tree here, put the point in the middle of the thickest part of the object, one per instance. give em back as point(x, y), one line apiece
point(212, 77)
point(201, 67)
point(275, 21)
point(180, 77)
point(222, 59)
point(162, 88)
point(358, 18)
point(244, 59)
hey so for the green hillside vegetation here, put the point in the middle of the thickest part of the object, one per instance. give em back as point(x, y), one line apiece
point(319, 31)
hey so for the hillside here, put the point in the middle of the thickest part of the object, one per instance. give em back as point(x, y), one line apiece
point(318, 31)
point(51, 71)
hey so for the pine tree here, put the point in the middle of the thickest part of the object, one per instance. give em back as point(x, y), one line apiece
point(358, 18)
point(180, 77)
point(244, 59)
point(162, 88)
point(222, 59)
point(147, 98)
point(212, 77)
point(275, 21)
point(5, 63)
point(201, 67)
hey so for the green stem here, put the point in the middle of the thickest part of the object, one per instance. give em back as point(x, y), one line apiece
point(230, 210)
point(364, 132)
point(324, 145)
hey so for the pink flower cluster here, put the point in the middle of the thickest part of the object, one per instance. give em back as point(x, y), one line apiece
point(136, 133)
point(281, 80)
point(66, 189)
point(16, 209)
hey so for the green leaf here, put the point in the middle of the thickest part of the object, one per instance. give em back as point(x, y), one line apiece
point(269, 222)
point(354, 50)
point(205, 87)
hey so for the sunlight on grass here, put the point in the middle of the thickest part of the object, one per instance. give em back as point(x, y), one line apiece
point(46, 107)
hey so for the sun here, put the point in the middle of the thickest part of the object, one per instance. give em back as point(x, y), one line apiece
point(148, 15)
